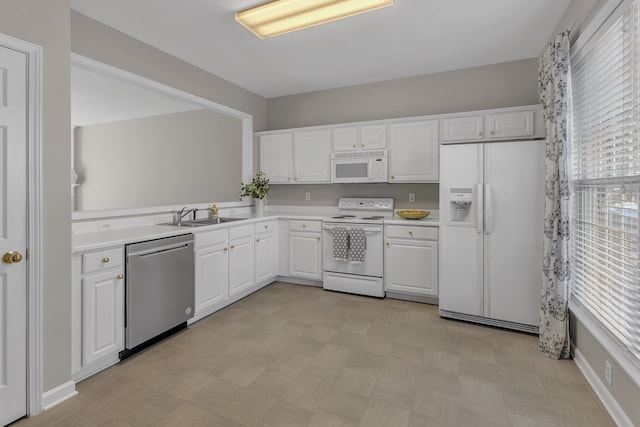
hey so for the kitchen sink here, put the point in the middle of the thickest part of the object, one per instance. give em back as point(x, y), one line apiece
point(205, 221)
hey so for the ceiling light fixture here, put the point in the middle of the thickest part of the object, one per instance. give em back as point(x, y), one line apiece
point(283, 16)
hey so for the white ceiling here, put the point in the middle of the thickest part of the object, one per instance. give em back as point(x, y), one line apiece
point(414, 37)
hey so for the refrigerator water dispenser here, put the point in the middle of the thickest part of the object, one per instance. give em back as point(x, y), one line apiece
point(459, 207)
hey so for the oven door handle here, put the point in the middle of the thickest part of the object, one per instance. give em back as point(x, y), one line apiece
point(366, 229)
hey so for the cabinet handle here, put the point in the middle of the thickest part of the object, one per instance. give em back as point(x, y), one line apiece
point(362, 145)
point(266, 226)
point(295, 179)
point(411, 233)
point(225, 249)
point(387, 244)
point(288, 178)
point(479, 133)
point(232, 246)
point(120, 276)
point(304, 225)
point(354, 145)
point(318, 238)
point(393, 177)
point(491, 133)
point(105, 259)
point(257, 240)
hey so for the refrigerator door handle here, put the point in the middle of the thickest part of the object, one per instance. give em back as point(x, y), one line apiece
point(488, 213)
point(479, 209)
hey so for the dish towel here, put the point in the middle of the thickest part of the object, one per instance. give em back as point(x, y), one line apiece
point(340, 243)
point(357, 245)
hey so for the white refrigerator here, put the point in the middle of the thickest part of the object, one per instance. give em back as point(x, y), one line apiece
point(492, 214)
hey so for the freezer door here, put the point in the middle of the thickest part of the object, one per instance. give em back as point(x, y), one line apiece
point(461, 257)
point(513, 227)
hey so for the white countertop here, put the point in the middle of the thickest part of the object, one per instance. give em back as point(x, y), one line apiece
point(98, 240)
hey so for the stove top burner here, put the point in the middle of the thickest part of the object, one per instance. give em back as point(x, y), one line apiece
point(374, 217)
point(343, 216)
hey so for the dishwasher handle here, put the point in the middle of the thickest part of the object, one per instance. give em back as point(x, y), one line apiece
point(160, 249)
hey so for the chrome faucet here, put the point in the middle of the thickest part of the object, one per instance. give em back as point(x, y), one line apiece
point(182, 213)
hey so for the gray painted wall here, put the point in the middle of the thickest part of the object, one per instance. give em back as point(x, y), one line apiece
point(624, 389)
point(46, 23)
point(171, 159)
point(494, 86)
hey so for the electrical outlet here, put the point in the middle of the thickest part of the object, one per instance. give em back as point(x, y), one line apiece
point(607, 372)
point(307, 196)
point(104, 226)
point(412, 197)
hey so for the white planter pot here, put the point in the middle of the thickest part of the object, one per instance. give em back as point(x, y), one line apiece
point(259, 206)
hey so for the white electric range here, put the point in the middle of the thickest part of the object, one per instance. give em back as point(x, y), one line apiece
point(365, 277)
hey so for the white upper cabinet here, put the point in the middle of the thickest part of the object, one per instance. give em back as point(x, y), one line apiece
point(354, 138)
point(463, 128)
point(492, 126)
point(509, 125)
point(312, 156)
point(276, 157)
point(413, 151)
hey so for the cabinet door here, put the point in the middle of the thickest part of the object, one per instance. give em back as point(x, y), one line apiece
point(462, 129)
point(373, 137)
point(240, 264)
point(276, 157)
point(510, 125)
point(265, 257)
point(411, 267)
point(102, 315)
point(212, 275)
point(305, 252)
point(345, 139)
point(413, 152)
point(312, 156)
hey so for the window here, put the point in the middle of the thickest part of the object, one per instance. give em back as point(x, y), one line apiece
point(606, 179)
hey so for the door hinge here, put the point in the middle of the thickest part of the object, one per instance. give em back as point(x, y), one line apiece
point(27, 253)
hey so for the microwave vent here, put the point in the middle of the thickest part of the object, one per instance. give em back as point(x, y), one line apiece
point(359, 154)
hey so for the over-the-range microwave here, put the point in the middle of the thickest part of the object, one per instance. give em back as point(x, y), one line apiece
point(359, 166)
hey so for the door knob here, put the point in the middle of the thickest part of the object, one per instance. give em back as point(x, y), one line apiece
point(12, 257)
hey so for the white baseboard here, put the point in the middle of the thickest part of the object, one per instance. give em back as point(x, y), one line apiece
point(608, 401)
point(58, 395)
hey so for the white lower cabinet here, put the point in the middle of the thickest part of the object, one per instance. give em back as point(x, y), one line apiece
point(411, 260)
point(211, 269)
point(240, 259)
point(98, 309)
point(266, 248)
point(305, 249)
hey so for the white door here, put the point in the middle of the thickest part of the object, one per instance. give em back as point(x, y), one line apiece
point(305, 255)
point(13, 235)
point(312, 154)
point(411, 267)
point(212, 275)
point(461, 243)
point(240, 264)
point(265, 255)
point(514, 196)
point(276, 157)
point(413, 151)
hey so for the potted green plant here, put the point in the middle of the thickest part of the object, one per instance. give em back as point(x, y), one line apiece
point(257, 189)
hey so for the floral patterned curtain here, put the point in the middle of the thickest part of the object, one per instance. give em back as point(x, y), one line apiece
point(553, 83)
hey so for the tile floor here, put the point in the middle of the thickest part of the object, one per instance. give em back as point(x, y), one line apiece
point(293, 355)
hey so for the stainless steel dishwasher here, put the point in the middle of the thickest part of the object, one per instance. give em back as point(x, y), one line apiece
point(159, 290)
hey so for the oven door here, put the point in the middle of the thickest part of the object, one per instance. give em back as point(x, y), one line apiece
point(372, 265)
point(351, 170)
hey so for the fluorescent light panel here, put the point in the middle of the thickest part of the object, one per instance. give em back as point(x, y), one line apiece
point(284, 16)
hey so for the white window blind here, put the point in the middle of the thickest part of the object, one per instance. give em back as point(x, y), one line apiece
point(605, 147)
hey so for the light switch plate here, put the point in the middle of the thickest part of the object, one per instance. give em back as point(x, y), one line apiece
point(307, 196)
point(412, 197)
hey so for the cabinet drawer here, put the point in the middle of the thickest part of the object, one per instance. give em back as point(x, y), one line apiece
point(102, 260)
point(210, 238)
point(265, 226)
point(409, 232)
point(236, 232)
point(297, 225)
